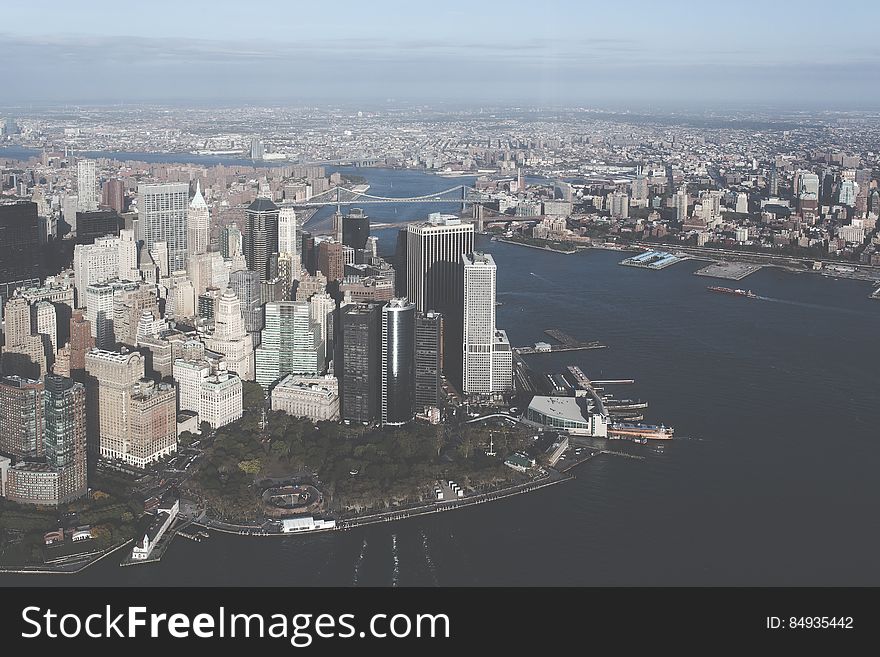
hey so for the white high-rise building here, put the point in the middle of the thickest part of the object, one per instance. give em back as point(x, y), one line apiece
point(287, 242)
point(162, 211)
point(188, 376)
point(487, 358)
point(86, 186)
point(742, 203)
point(618, 204)
point(198, 224)
point(322, 308)
point(681, 204)
point(479, 322)
point(230, 337)
point(107, 259)
point(221, 399)
point(99, 312)
point(46, 322)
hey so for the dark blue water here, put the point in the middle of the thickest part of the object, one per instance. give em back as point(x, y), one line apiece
point(773, 481)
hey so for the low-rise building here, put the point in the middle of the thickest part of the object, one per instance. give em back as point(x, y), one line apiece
point(315, 397)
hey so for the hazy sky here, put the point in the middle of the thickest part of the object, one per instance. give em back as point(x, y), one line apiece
point(540, 52)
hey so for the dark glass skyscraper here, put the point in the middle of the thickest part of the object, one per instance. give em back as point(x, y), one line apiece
point(307, 253)
point(66, 445)
point(355, 229)
point(19, 241)
point(359, 372)
point(398, 361)
point(261, 236)
point(428, 359)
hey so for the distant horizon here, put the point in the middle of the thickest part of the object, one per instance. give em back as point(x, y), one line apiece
point(559, 52)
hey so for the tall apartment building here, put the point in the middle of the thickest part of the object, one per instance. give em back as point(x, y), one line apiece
point(86, 186)
point(22, 426)
point(24, 353)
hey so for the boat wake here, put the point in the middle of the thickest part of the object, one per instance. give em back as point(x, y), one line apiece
point(357, 564)
point(428, 560)
point(395, 575)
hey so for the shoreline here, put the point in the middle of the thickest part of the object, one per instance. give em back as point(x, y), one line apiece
point(36, 570)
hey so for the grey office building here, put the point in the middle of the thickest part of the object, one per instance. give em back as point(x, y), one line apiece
point(359, 374)
point(398, 361)
point(428, 359)
point(162, 218)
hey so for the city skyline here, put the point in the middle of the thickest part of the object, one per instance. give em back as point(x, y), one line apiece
point(567, 52)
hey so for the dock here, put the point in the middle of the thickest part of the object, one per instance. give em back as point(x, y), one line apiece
point(652, 260)
point(732, 271)
point(566, 343)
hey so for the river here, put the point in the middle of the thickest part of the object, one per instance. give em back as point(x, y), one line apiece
point(772, 480)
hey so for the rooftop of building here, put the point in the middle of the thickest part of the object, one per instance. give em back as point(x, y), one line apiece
point(262, 204)
point(562, 408)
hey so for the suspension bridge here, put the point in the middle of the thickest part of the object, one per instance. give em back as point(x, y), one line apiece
point(344, 196)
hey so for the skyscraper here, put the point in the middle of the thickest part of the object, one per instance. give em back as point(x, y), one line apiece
point(618, 204)
point(24, 353)
point(261, 236)
point(162, 218)
point(355, 229)
point(428, 359)
point(681, 205)
point(21, 417)
point(99, 312)
point(257, 149)
point(111, 378)
point(113, 195)
point(86, 186)
point(487, 363)
point(398, 361)
point(107, 259)
point(330, 260)
point(66, 443)
point(290, 344)
point(307, 253)
point(230, 337)
point(287, 240)
point(81, 341)
point(246, 285)
point(19, 241)
point(433, 270)
point(434, 275)
point(230, 241)
point(45, 321)
point(360, 370)
point(198, 223)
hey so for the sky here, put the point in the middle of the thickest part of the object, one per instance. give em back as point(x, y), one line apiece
point(545, 52)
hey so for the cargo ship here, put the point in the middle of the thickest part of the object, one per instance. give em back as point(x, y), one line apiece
point(729, 290)
point(630, 431)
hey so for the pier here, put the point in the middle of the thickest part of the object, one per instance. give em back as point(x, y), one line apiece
point(652, 260)
point(566, 343)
